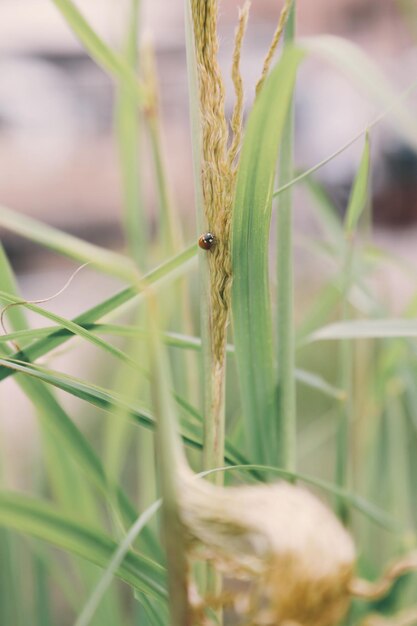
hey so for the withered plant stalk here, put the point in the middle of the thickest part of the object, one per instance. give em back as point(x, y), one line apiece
point(218, 173)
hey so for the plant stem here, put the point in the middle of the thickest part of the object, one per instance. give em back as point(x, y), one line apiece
point(128, 135)
point(346, 365)
point(170, 236)
point(286, 426)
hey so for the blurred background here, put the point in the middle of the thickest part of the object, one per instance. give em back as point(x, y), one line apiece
point(59, 157)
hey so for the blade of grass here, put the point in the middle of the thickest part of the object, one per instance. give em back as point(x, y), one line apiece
point(72, 327)
point(103, 399)
point(166, 270)
point(349, 59)
point(115, 562)
point(401, 97)
point(104, 56)
point(109, 262)
point(373, 513)
point(127, 124)
point(170, 236)
point(41, 600)
point(366, 329)
point(170, 458)
point(79, 330)
point(286, 432)
point(53, 417)
point(186, 342)
point(61, 427)
point(367, 509)
point(37, 518)
point(12, 609)
point(329, 219)
point(56, 421)
point(320, 384)
point(356, 206)
point(359, 194)
point(250, 236)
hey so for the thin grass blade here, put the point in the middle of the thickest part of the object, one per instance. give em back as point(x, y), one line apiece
point(251, 310)
point(102, 54)
point(36, 518)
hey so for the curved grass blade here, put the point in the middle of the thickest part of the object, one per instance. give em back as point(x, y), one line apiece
point(57, 422)
point(166, 270)
point(366, 329)
point(175, 340)
point(72, 327)
point(400, 98)
point(107, 261)
point(104, 56)
point(366, 508)
point(250, 237)
point(357, 204)
point(114, 564)
point(360, 193)
point(75, 329)
point(318, 383)
point(30, 516)
point(107, 401)
point(285, 323)
point(170, 461)
point(128, 129)
point(349, 59)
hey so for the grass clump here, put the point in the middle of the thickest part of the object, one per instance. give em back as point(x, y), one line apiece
point(276, 552)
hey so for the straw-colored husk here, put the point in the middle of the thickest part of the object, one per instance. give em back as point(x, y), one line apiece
point(294, 555)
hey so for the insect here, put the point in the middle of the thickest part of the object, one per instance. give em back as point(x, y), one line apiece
point(206, 241)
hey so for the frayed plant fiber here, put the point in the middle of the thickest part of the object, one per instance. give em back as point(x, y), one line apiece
point(292, 554)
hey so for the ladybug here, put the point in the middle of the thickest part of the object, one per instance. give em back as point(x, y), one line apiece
point(206, 241)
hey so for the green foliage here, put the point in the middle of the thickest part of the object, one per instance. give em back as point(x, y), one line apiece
point(252, 321)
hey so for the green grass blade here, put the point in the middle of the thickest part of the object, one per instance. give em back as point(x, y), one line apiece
point(390, 109)
point(169, 269)
point(41, 592)
point(128, 128)
point(172, 339)
point(250, 236)
point(368, 509)
point(314, 381)
point(187, 342)
point(11, 606)
point(39, 519)
point(360, 192)
point(349, 59)
point(114, 564)
point(366, 329)
point(193, 90)
point(108, 401)
point(104, 56)
point(72, 327)
point(170, 461)
point(109, 262)
point(53, 417)
point(286, 435)
point(356, 206)
point(326, 211)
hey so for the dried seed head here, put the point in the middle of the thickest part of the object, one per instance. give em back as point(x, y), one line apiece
point(295, 556)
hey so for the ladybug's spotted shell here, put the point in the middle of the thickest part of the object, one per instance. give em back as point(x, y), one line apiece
point(206, 241)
